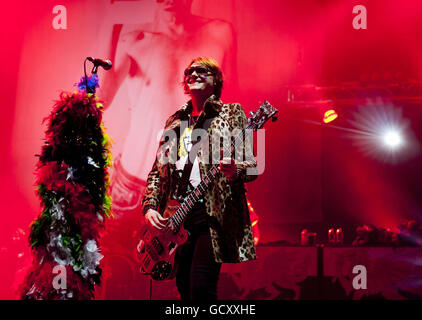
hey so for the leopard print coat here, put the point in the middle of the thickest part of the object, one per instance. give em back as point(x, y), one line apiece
point(225, 201)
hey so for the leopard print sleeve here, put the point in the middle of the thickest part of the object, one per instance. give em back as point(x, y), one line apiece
point(151, 198)
point(246, 166)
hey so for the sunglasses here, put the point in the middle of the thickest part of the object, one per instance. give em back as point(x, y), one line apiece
point(199, 70)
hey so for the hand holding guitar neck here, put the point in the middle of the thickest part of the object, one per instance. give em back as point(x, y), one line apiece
point(155, 219)
point(228, 166)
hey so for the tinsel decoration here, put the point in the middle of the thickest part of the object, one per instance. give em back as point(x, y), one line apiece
point(73, 187)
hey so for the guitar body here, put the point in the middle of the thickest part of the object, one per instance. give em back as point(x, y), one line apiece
point(157, 249)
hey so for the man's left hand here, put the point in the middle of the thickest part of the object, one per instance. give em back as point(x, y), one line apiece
point(228, 167)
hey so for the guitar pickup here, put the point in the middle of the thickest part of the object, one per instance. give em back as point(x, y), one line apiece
point(171, 245)
point(157, 245)
point(151, 253)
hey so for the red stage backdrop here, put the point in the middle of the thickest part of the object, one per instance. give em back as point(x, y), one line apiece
point(296, 54)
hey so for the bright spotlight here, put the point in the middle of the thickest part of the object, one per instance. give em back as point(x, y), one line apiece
point(392, 139)
point(380, 131)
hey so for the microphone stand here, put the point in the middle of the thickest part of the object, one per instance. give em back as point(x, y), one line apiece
point(94, 77)
point(94, 71)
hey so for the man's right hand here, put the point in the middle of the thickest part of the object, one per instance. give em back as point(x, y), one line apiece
point(155, 219)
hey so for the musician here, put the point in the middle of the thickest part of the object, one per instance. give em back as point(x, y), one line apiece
point(141, 90)
point(219, 226)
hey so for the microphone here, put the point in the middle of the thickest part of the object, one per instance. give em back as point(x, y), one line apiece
point(106, 64)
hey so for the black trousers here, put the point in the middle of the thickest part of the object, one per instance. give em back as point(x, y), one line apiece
point(198, 273)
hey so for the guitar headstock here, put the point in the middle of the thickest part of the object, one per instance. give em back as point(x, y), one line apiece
point(265, 112)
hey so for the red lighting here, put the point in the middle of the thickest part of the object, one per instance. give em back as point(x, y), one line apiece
point(254, 224)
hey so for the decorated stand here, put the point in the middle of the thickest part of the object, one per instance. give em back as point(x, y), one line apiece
point(72, 184)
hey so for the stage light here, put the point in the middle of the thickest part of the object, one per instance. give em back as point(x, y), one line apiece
point(392, 139)
point(254, 224)
point(330, 115)
point(381, 132)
